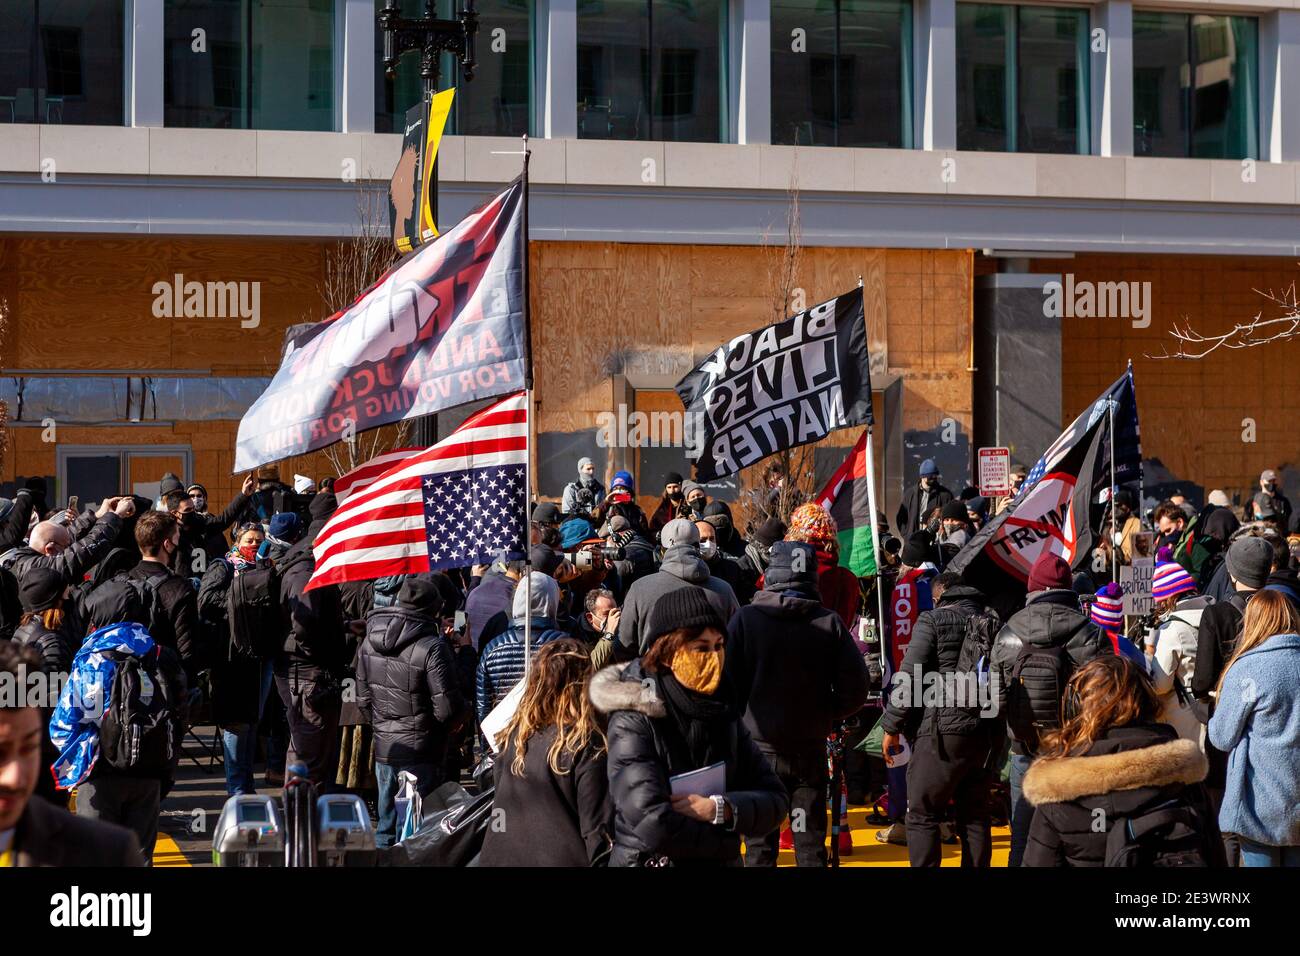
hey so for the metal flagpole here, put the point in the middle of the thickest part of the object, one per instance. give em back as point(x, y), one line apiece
point(875, 538)
point(528, 432)
point(1114, 556)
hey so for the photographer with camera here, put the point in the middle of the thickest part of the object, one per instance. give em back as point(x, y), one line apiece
point(581, 497)
point(598, 627)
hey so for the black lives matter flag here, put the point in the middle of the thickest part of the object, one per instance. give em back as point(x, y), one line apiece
point(1052, 511)
point(780, 386)
point(443, 327)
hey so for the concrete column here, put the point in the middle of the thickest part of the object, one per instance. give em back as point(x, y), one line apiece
point(934, 37)
point(144, 101)
point(750, 60)
point(356, 79)
point(556, 79)
point(1279, 86)
point(1112, 79)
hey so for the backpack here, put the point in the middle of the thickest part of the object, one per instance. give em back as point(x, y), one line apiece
point(976, 652)
point(11, 608)
point(253, 611)
point(1195, 549)
point(1171, 834)
point(136, 732)
point(146, 591)
point(1042, 669)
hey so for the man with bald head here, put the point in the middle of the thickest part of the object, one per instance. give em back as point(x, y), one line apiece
point(53, 545)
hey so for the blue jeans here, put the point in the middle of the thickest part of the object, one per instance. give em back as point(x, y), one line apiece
point(1257, 854)
point(427, 776)
point(1022, 811)
point(239, 744)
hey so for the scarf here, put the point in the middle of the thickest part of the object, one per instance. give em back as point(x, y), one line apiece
point(705, 723)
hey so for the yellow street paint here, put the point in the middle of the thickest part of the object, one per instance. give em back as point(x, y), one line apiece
point(167, 853)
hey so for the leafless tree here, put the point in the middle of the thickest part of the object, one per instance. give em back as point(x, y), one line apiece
point(1258, 331)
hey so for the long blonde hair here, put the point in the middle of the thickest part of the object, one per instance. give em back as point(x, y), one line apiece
point(1267, 613)
point(555, 695)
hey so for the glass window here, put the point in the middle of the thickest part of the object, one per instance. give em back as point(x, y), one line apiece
point(1195, 85)
point(249, 64)
point(652, 70)
point(1022, 78)
point(62, 61)
point(841, 72)
point(497, 102)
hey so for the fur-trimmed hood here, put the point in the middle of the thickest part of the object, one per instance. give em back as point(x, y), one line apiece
point(625, 687)
point(1069, 778)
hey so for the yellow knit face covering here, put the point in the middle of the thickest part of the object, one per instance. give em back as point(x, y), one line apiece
point(701, 671)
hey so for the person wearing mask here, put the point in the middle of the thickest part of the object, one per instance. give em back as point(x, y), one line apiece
point(1269, 504)
point(954, 527)
point(552, 779)
point(696, 500)
point(681, 567)
point(213, 533)
point(759, 548)
point(282, 534)
point(267, 496)
point(598, 627)
point(951, 738)
point(488, 606)
point(674, 712)
point(671, 504)
point(730, 543)
point(503, 661)
point(72, 551)
point(546, 525)
point(837, 585)
point(45, 626)
point(795, 671)
point(1018, 475)
point(409, 691)
point(1111, 763)
point(1127, 524)
point(1255, 723)
point(1171, 521)
point(581, 497)
point(1171, 648)
point(977, 512)
point(1034, 654)
point(126, 796)
point(36, 832)
point(923, 500)
point(175, 620)
point(721, 567)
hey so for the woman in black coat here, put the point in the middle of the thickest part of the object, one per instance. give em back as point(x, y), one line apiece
point(1110, 763)
point(552, 788)
point(670, 713)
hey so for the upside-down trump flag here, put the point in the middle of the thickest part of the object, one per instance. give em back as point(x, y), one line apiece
point(453, 505)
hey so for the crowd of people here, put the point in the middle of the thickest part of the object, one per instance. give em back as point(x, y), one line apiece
point(669, 680)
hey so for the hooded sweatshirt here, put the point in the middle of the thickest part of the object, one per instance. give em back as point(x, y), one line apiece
point(503, 662)
point(682, 566)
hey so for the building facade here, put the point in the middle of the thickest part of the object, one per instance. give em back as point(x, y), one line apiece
point(970, 163)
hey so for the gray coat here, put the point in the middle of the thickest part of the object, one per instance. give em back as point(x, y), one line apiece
point(681, 567)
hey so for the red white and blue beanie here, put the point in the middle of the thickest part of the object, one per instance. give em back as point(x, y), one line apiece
point(1108, 609)
point(1170, 580)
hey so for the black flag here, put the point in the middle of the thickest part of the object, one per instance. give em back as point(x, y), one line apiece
point(779, 387)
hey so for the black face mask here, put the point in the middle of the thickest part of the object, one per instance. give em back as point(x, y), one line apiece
point(191, 521)
point(675, 496)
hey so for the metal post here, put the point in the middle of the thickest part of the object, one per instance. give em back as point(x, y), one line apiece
point(1114, 557)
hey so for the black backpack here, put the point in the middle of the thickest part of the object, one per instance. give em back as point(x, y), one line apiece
point(146, 590)
point(136, 732)
point(976, 655)
point(1171, 834)
point(1039, 673)
point(253, 610)
point(11, 608)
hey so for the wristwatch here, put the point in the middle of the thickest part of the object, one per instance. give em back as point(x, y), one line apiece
point(719, 809)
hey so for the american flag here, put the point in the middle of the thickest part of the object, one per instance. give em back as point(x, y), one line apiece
point(368, 473)
point(455, 504)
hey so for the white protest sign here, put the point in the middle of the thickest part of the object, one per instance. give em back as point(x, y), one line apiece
point(994, 472)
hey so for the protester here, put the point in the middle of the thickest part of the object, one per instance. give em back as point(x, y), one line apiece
point(837, 585)
point(211, 536)
point(552, 779)
point(1107, 612)
point(598, 627)
point(795, 671)
point(581, 497)
point(16, 514)
point(1034, 655)
point(672, 504)
point(282, 533)
point(1171, 648)
point(923, 500)
point(1170, 522)
point(36, 832)
point(977, 512)
point(673, 712)
point(955, 528)
point(503, 663)
point(696, 500)
point(681, 567)
point(1269, 504)
point(46, 625)
point(72, 551)
point(1255, 723)
point(730, 543)
point(1110, 771)
point(408, 690)
point(170, 600)
point(721, 566)
point(121, 779)
point(759, 548)
point(488, 606)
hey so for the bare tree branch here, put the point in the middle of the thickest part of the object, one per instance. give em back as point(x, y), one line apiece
point(1258, 331)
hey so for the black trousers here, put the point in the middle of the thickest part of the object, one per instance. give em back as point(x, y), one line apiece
point(806, 780)
point(312, 704)
point(954, 769)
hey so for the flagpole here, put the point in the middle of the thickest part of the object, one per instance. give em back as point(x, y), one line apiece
point(1110, 432)
point(875, 537)
point(528, 432)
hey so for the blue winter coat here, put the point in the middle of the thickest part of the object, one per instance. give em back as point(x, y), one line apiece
point(1257, 723)
point(502, 665)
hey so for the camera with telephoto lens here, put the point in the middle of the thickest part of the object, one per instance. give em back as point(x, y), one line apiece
point(303, 829)
point(586, 558)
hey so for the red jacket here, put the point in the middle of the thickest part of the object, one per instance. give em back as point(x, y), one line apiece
point(839, 588)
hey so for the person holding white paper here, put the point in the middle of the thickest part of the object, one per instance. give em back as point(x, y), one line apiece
point(673, 713)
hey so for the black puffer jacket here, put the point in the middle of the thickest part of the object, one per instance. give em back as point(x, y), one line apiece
point(313, 619)
point(1049, 618)
point(934, 649)
point(77, 558)
point(641, 759)
point(1129, 771)
point(178, 624)
point(57, 648)
point(795, 670)
point(408, 686)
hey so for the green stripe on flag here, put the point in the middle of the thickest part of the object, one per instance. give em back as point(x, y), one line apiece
point(855, 551)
